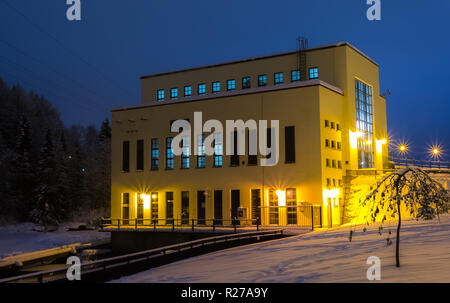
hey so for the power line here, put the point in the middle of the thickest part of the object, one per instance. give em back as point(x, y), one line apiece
point(39, 28)
point(52, 69)
point(40, 77)
point(20, 79)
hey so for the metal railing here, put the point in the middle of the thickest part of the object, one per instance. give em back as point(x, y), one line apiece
point(177, 224)
point(436, 164)
point(143, 256)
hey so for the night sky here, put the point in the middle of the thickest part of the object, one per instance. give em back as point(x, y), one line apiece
point(88, 67)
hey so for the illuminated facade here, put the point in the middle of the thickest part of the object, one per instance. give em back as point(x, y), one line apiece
point(332, 121)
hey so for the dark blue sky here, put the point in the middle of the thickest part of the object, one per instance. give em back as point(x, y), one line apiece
point(102, 56)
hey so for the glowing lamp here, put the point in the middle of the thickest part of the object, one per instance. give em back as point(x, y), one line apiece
point(146, 199)
point(353, 136)
point(379, 145)
point(281, 197)
point(154, 196)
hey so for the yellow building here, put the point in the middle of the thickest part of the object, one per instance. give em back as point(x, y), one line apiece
point(332, 121)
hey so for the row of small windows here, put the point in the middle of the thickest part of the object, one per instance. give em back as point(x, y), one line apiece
point(334, 144)
point(332, 125)
point(231, 84)
point(333, 182)
point(333, 163)
point(201, 154)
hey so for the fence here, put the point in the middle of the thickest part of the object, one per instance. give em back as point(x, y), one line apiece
point(403, 162)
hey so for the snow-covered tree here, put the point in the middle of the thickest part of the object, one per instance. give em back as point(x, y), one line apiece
point(410, 189)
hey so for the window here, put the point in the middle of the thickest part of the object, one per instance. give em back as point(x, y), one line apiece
point(278, 78)
point(187, 91)
point(184, 207)
point(201, 155)
point(202, 89)
point(169, 207)
point(246, 82)
point(140, 155)
point(340, 183)
point(338, 127)
point(291, 205)
point(231, 85)
point(295, 75)
point(173, 93)
point(273, 207)
point(332, 125)
point(218, 204)
point(327, 123)
point(339, 145)
point(262, 80)
point(252, 159)
point(218, 150)
point(339, 162)
point(160, 95)
point(328, 182)
point(155, 154)
point(216, 87)
point(333, 144)
point(169, 153)
point(333, 163)
point(185, 153)
point(328, 162)
point(126, 156)
point(334, 182)
point(327, 143)
point(234, 158)
point(364, 124)
point(154, 207)
point(313, 73)
point(289, 144)
point(125, 208)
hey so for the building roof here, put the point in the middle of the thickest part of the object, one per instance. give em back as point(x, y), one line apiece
point(262, 57)
point(240, 92)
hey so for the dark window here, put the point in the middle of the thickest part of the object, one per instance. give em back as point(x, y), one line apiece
point(201, 207)
point(339, 164)
point(184, 207)
point(218, 207)
point(333, 144)
point(235, 204)
point(246, 82)
point(160, 95)
point(169, 207)
point(314, 73)
point(231, 85)
point(269, 140)
point(173, 93)
point(252, 159)
point(328, 162)
point(126, 156)
point(289, 142)
point(256, 206)
point(278, 78)
point(339, 145)
point(234, 159)
point(201, 154)
point(327, 143)
point(216, 87)
point(262, 80)
point(140, 155)
point(295, 75)
point(155, 154)
point(327, 123)
point(332, 125)
point(169, 153)
point(333, 163)
point(338, 126)
point(187, 91)
point(201, 89)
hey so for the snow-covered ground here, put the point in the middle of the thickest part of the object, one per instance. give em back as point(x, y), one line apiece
point(20, 238)
point(321, 256)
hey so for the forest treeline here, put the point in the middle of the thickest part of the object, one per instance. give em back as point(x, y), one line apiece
point(50, 173)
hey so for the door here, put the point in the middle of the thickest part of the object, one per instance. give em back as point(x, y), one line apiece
point(273, 208)
point(256, 206)
point(218, 207)
point(169, 207)
point(291, 206)
point(235, 204)
point(140, 211)
point(201, 207)
point(185, 207)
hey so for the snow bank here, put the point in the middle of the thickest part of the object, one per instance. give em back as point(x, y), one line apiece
point(322, 256)
point(22, 238)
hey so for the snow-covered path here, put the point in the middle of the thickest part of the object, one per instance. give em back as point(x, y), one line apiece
point(20, 238)
point(323, 256)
